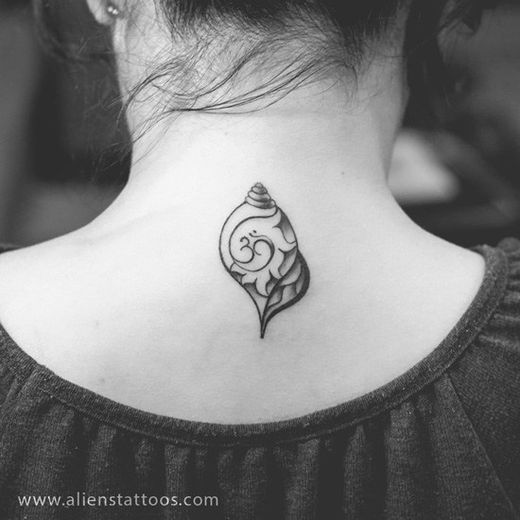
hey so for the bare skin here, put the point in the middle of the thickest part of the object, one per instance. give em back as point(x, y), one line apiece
point(137, 305)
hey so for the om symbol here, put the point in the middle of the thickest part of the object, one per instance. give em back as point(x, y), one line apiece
point(252, 251)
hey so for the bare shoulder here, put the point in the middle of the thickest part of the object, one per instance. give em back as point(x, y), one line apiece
point(32, 280)
point(30, 269)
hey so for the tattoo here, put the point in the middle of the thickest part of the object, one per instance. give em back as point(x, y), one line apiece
point(258, 248)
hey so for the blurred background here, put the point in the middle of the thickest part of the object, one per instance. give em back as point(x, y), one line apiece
point(64, 152)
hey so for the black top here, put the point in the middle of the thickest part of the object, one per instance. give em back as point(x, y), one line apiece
point(442, 441)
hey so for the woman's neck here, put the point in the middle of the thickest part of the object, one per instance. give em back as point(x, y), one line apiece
point(321, 156)
point(324, 161)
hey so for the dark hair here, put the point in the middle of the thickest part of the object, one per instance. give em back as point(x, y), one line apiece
point(348, 24)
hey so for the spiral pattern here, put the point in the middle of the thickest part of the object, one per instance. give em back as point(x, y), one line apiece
point(259, 197)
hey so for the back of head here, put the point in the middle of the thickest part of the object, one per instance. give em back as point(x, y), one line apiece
point(221, 54)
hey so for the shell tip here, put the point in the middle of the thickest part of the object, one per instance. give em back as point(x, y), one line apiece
point(259, 197)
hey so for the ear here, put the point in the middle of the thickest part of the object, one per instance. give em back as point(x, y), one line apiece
point(100, 11)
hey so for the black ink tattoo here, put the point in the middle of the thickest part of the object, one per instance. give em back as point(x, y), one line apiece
point(258, 248)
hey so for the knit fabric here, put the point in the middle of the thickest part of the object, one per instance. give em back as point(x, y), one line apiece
point(441, 442)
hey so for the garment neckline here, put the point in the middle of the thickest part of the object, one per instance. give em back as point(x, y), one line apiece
point(307, 427)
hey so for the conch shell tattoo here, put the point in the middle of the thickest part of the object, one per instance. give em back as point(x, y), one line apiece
point(258, 248)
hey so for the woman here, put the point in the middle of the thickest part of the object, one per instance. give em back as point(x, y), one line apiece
point(255, 325)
